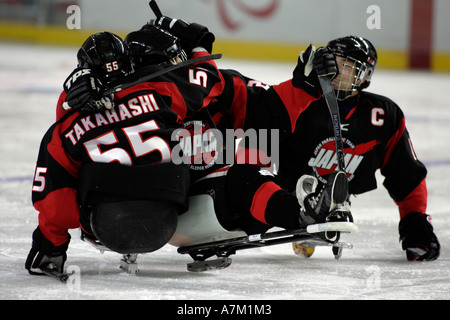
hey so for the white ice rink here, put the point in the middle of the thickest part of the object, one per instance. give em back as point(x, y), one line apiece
point(31, 79)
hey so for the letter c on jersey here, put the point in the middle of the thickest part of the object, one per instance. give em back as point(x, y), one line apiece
point(376, 118)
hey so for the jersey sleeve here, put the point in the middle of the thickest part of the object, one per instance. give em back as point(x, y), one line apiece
point(54, 189)
point(198, 84)
point(404, 173)
point(254, 104)
point(294, 99)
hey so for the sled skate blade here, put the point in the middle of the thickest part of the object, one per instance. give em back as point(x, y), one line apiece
point(338, 248)
point(306, 248)
point(224, 248)
point(128, 263)
point(216, 264)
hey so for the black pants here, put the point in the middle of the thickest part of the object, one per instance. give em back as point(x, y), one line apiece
point(249, 198)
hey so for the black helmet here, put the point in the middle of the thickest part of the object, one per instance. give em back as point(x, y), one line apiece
point(363, 54)
point(151, 45)
point(106, 55)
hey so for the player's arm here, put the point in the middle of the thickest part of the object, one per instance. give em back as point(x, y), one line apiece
point(258, 105)
point(54, 197)
point(254, 104)
point(304, 87)
point(406, 183)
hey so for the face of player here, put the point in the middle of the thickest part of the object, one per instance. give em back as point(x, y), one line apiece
point(179, 58)
point(349, 76)
point(175, 60)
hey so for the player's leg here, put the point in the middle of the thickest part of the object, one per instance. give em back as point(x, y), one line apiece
point(253, 190)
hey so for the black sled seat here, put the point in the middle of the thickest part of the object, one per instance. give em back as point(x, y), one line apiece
point(132, 209)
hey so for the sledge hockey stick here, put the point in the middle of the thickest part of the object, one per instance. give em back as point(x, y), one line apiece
point(148, 77)
point(154, 6)
point(330, 98)
point(161, 72)
point(123, 86)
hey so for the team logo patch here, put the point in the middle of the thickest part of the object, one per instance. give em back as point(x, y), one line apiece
point(202, 147)
point(324, 161)
point(199, 145)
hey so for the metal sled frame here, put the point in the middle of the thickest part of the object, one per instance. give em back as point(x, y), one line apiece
point(202, 216)
point(314, 234)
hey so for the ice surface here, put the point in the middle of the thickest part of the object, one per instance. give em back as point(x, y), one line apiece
point(31, 79)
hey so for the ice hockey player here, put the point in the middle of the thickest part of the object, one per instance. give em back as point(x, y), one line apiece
point(115, 164)
point(375, 137)
point(251, 104)
point(272, 112)
point(246, 195)
point(248, 103)
point(405, 175)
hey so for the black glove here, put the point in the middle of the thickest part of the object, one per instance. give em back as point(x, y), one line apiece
point(191, 35)
point(43, 252)
point(325, 63)
point(312, 64)
point(418, 238)
point(304, 77)
point(84, 92)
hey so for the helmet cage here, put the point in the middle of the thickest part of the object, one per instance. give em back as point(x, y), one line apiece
point(353, 76)
point(181, 56)
point(175, 53)
point(360, 58)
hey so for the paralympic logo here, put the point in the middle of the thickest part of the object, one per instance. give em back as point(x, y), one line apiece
point(262, 10)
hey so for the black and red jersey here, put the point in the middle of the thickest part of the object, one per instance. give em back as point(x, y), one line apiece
point(374, 136)
point(136, 131)
point(246, 104)
point(254, 104)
